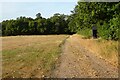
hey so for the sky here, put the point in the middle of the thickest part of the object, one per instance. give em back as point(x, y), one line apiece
point(14, 9)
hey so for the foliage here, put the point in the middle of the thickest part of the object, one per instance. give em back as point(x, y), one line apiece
point(86, 32)
point(105, 15)
point(57, 24)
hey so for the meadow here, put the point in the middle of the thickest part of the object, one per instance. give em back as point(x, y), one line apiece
point(37, 56)
point(30, 56)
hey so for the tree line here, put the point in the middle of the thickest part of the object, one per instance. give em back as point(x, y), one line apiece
point(104, 15)
point(56, 24)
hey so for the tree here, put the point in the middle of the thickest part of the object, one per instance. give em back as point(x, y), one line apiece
point(102, 14)
point(38, 16)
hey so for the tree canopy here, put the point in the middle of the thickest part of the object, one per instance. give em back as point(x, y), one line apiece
point(104, 15)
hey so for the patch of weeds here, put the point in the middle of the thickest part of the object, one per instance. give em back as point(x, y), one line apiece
point(110, 49)
point(87, 33)
point(9, 54)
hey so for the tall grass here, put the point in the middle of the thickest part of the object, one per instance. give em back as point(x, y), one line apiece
point(87, 33)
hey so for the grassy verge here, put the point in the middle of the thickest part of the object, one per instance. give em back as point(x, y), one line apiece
point(30, 56)
point(107, 50)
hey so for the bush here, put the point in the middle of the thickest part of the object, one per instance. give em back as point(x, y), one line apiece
point(103, 31)
point(109, 30)
point(87, 32)
point(114, 27)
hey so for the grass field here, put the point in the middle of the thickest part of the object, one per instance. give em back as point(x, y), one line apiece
point(36, 56)
point(30, 56)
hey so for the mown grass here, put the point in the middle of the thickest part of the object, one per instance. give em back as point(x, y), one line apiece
point(30, 56)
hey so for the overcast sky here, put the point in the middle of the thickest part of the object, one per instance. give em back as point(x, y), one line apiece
point(14, 9)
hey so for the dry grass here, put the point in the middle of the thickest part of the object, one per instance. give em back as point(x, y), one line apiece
point(107, 50)
point(30, 56)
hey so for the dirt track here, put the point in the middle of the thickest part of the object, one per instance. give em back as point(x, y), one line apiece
point(76, 61)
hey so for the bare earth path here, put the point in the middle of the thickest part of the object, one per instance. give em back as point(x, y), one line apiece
point(76, 61)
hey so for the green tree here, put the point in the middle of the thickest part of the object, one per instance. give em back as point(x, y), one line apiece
point(38, 16)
